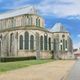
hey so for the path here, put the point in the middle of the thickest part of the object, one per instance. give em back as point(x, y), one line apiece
point(49, 71)
point(75, 72)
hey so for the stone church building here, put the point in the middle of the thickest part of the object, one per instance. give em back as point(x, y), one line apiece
point(23, 33)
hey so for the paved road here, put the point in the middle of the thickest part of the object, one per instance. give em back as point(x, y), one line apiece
point(75, 72)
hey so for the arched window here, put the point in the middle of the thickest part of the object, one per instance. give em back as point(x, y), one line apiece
point(26, 20)
point(66, 43)
point(45, 42)
point(41, 43)
point(63, 44)
point(21, 42)
point(32, 42)
point(49, 43)
point(0, 47)
point(63, 36)
point(11, 40)
point(30, 20)
point(38, 22)
point(26, 40)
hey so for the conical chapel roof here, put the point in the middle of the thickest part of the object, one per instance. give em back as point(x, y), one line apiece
point(58, 27)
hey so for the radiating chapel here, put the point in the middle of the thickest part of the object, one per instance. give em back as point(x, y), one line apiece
point(23, 33)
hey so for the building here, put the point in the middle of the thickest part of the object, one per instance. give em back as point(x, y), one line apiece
point(23, 33)
point(77, 54)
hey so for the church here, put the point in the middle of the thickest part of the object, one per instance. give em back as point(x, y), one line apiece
point(23, 33)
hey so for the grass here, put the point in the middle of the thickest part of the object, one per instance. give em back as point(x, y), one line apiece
point(20, 64)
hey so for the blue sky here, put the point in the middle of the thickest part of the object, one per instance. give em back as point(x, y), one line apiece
point(65, 11)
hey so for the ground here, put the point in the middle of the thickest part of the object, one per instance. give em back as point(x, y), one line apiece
point(55, 70)
point(7, 66)
point(74, 73)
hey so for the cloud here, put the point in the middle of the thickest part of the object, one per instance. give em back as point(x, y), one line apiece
point(60, 8)
point(76, 45)
point(77, 17)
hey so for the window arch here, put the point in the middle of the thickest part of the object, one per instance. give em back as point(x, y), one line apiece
point(32, 42)
point(29, 20)
point(11, 40)
point(38, 22)
point(63, 36)
point(26, 40)
point(66, 43)
point(45, 42)
point(63, 44)
point(41, 43)
point(49, 43)
point(54, 45)
point(0, 47)
point(21, 42)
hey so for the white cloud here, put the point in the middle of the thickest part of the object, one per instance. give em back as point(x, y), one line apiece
point(60, 8)
point(77, 42)
point(76, 45)
point(73, 17)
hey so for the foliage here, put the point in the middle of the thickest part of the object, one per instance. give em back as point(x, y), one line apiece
point(20, 64)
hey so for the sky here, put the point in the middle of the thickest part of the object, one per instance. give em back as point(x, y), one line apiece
point(66, 12)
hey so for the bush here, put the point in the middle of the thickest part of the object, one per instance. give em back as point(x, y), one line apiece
point(10, 59)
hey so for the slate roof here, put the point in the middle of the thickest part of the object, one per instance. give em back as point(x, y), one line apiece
point(58, 27)
point(19, 11)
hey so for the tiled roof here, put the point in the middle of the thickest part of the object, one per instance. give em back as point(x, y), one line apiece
point(77, 52)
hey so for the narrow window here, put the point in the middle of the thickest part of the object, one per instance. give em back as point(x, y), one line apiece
point(41, 43)
point(30, 21)
point(38, 22)
point(21, 42)
point(49, 43)
point(45, 42)
point(32, 42)
point(11, 41)
point(26, 40)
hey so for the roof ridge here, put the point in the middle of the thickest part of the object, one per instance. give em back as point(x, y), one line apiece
point(18, 11)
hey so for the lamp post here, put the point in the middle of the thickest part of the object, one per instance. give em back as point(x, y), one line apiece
point(65, 52)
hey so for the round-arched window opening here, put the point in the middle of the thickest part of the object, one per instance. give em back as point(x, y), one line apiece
point(1, 36)
point(63, 36)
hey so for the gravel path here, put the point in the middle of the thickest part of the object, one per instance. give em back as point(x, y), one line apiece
point(49, 71)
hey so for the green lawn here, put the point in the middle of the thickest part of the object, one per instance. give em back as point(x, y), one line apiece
point(6, 66)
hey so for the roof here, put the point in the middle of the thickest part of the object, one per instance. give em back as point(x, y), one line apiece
point(19, 11)
point(58, 27)
point(77, 52)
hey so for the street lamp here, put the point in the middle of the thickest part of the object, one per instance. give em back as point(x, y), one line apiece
point(65, 52)
point(66, 49)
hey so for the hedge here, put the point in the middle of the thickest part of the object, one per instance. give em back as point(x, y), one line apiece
point(10, 59)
